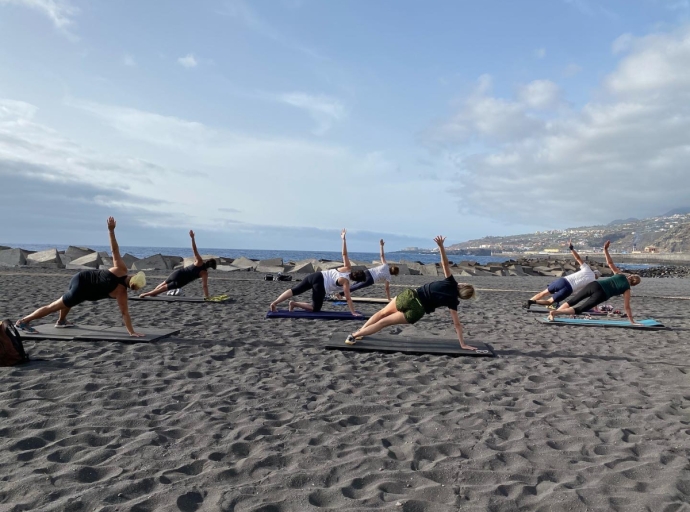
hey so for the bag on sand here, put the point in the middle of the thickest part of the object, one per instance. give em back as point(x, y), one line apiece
point(11, 346)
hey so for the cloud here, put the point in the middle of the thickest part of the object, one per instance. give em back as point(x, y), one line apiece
point(485, 119)
point(323, 109)
point(188, 61)
point(240, 10)
point(571, 70)
point(540, 94)
point(197, 176)
point(623, 156)
point(60, 12)
point(540, 53)
point(622, 44)
point(129, 61)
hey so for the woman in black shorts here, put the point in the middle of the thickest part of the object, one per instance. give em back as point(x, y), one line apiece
point(184, 276)
point(93, 285)
point(598, 292)
point(411, 304)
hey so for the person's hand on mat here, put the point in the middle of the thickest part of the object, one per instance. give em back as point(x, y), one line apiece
point(191, 234)
point(343, 233)
point(136, 335)
point(439, 240)
point(111, 224)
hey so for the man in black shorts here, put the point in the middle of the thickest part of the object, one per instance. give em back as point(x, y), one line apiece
point(184, 276)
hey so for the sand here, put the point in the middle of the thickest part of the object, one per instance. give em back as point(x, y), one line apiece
point(248, 414)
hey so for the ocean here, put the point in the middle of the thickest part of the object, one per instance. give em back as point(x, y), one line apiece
point(256, 254)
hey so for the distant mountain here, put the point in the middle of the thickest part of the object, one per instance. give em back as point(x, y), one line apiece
point(623, 221)
point(677, 211)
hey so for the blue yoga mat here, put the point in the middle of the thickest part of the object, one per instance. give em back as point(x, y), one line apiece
point(321, 315)
point(647, 323)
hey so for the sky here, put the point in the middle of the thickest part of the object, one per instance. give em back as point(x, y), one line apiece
point(272, 124)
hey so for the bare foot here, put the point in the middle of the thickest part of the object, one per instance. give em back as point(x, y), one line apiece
point(467, 347)
point(274, 308)
point(291, 305)
point(550, 319)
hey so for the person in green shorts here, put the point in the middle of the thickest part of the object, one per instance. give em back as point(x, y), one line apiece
point(411, 304)
point(598, 292)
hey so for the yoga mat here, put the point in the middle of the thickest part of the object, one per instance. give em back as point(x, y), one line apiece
point(321, 315)
point(647, 324)
point(423, 345)
point(96, 333)
point(586, 313)
point(181, 298)
point(365, 300)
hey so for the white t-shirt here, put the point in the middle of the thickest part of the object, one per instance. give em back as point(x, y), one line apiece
point(381, 273)
point(330, 280)
point(581, 278)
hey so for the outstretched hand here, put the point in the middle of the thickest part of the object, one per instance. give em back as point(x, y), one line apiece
point(343, 233)
point(191, 233)
point(607, 244)
point(111, 223)
point(439, 240)
point(382, 242)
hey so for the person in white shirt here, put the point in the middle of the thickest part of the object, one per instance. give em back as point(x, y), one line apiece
point(565, 286)
point(323, 283)
point(377, 274)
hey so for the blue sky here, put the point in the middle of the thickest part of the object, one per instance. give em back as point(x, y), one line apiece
point(272, 124)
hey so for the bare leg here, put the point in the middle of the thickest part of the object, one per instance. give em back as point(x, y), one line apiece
point(540, 296)
point(63, 314)
point(388, 310)
point(283, 297)
point(302, 305)
point(545, 302)
point(396, 318)
point(58, 305)
point(565, 309)
point(156, 291)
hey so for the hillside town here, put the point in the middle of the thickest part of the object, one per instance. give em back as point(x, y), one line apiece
point(669, 233)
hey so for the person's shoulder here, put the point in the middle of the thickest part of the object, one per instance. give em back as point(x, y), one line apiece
point(451, 279)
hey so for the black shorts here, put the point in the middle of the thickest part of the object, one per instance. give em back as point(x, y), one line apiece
point(76, 294)
point(313, 282)
point(592, 295)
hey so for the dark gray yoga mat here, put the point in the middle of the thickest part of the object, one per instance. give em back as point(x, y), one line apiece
point(96, 333)
point(180, 298)
point(321, 315)
point(418, 345)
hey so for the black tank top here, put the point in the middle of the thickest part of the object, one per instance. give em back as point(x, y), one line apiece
point(99, 284)
point(186, 275)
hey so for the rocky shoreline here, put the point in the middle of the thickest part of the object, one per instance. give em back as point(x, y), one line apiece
point(83, 258)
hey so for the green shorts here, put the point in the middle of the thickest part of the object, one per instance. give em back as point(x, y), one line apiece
point(408, 304)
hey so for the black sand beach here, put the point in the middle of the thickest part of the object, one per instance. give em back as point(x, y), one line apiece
point(247, 414)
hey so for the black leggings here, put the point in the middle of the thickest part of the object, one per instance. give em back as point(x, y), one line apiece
point(363, 284)
point(592, 294)
point(313, 282)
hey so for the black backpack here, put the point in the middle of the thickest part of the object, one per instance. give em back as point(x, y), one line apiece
point(11, 346)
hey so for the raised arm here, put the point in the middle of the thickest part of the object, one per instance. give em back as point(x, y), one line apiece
point(575, 254)
point(444, 259)
point(118, 263)
point(609, 261)
point(346, 260)
point(382, 254)
point(197, 257)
